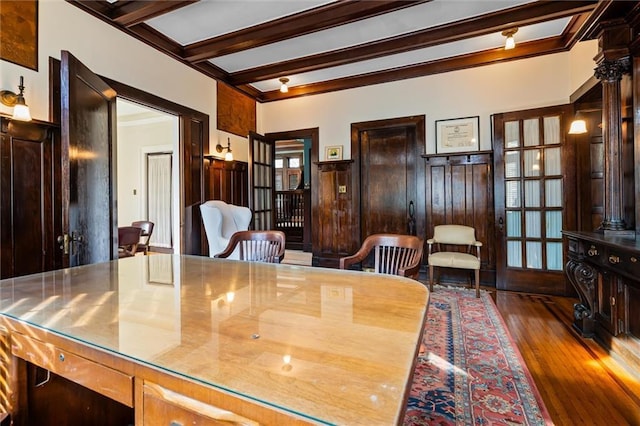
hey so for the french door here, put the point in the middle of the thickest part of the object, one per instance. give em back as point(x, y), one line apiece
point(262, 156)
point(535, 198)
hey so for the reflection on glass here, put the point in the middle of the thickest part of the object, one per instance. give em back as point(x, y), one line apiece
point(533, 224)
point(552, 165)
point(554, 224)
point(553, 193)
point(512, 189)
point(512, 164)
point(532, 162)
point(514, 254)
point(511, 134)
point(532, 193)
point(554, 256)
point(531, 131)
point(534, 255)
point(552, 130)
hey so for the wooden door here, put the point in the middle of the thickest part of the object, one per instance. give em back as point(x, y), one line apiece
point(88, 129)
point(535, 198)
point(29, 198)
point(387, 155)
point(262, 157)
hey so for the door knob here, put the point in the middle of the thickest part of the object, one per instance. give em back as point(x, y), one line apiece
point(63, 240)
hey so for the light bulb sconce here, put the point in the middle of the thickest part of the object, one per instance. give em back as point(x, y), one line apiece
point(228, 156)
point(510, 42)
point(11, 99)
point(578, 127)
point(283, 85)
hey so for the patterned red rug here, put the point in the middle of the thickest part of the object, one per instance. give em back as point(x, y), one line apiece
point(470, 371)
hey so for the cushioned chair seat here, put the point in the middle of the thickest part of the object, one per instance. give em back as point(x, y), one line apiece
point(454, 260)
point(454, 235)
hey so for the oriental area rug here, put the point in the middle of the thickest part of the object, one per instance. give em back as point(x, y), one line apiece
point(469, 370)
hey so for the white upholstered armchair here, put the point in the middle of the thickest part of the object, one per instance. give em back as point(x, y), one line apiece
point(221, 221)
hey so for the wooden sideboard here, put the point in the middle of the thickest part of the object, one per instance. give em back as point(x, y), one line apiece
point(605, 271)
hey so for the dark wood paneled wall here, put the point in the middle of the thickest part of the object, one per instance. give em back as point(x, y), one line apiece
point(336, 229)
point(459, 190)
point(227, 181)
point(29, 197)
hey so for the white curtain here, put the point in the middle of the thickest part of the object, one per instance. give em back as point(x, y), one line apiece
point(159, 198)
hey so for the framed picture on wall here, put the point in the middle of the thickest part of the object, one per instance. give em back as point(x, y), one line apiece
point(457, 135)
point(333, 153)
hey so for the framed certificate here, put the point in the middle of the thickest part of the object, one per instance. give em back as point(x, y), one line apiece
point(457, 135)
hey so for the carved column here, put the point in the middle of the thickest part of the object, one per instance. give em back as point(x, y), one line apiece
point(610, 72)
point(613, 63)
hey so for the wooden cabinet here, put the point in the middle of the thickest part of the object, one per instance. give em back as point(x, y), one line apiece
point(335, 230)
point(605, 271)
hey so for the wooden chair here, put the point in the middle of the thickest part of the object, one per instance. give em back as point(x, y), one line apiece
point(128, 239)
point(145, 235)
point(393, 254)
point(256, 246)
point(455, 235)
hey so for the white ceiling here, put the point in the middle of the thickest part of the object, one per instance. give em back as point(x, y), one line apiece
point(420, 33)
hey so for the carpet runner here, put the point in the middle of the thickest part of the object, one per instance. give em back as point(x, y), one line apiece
point(469, 371)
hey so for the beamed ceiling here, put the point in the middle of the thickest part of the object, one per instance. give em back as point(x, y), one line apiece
point(324, 46)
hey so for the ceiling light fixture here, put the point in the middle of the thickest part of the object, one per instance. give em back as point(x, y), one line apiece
point(510, 42)
point(283, 85)
point(20, 108)
point(228, 156)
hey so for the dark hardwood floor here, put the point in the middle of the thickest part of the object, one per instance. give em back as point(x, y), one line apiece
point(580, 383)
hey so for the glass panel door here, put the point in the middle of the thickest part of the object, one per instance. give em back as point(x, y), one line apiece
point(262, 180)
point(530, 198)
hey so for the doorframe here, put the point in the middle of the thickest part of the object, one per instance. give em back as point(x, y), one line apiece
point(313, 134)
point(418, 123)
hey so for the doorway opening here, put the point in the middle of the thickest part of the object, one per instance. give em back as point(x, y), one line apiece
point(148, 172)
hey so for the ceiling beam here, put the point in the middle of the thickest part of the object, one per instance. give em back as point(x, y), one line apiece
point(519, 16)
point(306, 22)
point(136, 12)
point(523, 50)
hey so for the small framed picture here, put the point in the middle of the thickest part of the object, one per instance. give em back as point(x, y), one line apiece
point(457, 135)
point(333, 153)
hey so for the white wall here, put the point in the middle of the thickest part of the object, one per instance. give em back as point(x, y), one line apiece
point(134, 141)
point(482, 91)
point(111, 53)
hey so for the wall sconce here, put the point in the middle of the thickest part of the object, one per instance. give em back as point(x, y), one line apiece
point(578, 127)
point(283, 85)
point(20, 108)
point(228, 156)
point(510, 42)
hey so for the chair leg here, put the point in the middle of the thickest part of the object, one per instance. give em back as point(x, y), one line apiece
point(430, 277)
point(477, 282)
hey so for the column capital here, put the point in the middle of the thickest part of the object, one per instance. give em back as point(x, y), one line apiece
point(612, 70)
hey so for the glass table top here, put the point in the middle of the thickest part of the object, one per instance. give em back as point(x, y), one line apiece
point(336, 347)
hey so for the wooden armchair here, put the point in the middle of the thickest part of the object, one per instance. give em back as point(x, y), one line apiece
point(454, 235)
point(256, 246)
point(145, 235)
point(393, 254)
point(128, 238)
